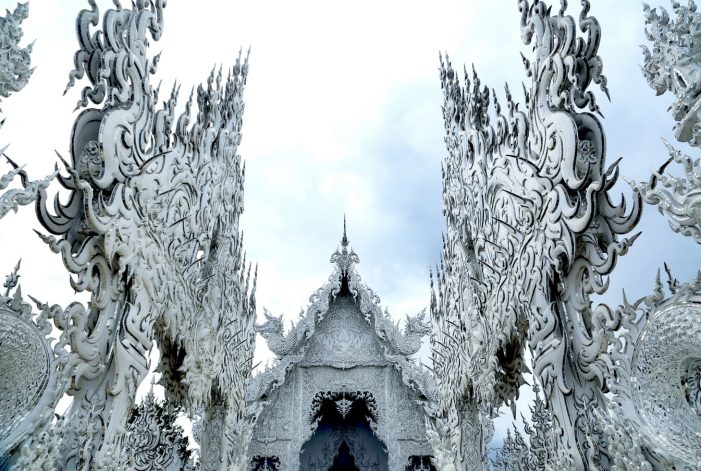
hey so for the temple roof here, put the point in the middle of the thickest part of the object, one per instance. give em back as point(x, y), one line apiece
point(344, 281)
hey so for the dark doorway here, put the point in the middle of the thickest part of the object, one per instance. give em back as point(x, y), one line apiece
point(344, 438)
point(344, 461)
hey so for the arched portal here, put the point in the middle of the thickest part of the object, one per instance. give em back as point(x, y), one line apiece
point(344, 460)
point(344, 439)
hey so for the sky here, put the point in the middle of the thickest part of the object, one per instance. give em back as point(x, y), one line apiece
point(343, 116)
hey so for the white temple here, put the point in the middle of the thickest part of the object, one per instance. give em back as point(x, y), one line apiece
point(149, 228)
point(344, 392)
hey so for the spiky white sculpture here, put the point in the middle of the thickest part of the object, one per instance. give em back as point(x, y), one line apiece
point(150, 229)
point(654, 412)
point(532, 233)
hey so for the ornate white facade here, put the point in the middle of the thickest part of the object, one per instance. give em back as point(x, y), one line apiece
point(150, 228)
point(343, 375)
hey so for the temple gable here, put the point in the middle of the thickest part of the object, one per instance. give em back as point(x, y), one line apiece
point(344, 339)
point(344, 392)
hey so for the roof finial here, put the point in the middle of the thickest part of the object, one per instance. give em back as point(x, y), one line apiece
point(344, 257)
point(344, 241)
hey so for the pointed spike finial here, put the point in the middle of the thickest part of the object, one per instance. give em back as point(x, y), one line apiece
point(344, 241)
point(12, 279)
point(344, 257)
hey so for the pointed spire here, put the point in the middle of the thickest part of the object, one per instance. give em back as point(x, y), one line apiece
point(344, 257)
point(344, 240)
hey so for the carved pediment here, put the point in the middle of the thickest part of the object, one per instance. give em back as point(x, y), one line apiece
point(344, 339)
point(343, 327)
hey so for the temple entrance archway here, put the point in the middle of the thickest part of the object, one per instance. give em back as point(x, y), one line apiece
point(343, 439)
point(344, 460)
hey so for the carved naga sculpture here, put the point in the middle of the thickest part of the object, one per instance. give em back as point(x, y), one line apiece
point(415, 329)
point(151, 230)
point(531, 234)
point(273, 331)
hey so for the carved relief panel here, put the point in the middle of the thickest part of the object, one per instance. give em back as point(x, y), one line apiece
point(344, 338)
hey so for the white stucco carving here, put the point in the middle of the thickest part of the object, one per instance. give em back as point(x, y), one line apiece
point(31, 380)
point(654, 405)
point(346, 351)
point(153, 440)
point(674, 63)
point(15, 71)
point(646, 415)
point(532, 233)
point(15, 61)
point(12, 198)
point(653, 419)
point(150, 228)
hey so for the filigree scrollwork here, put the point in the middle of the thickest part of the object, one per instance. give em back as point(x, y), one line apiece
point(531, 233)
point(15, 61)
point(32, 378)
point(653, 410)
point(151, 229)
point(153, 440)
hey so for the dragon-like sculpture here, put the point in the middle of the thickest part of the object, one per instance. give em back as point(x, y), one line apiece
point(273, 331)
point(415, 328)
point(151, 229)
point(531, 234)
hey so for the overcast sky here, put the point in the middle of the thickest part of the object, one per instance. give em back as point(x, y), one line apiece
point(343, 115)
